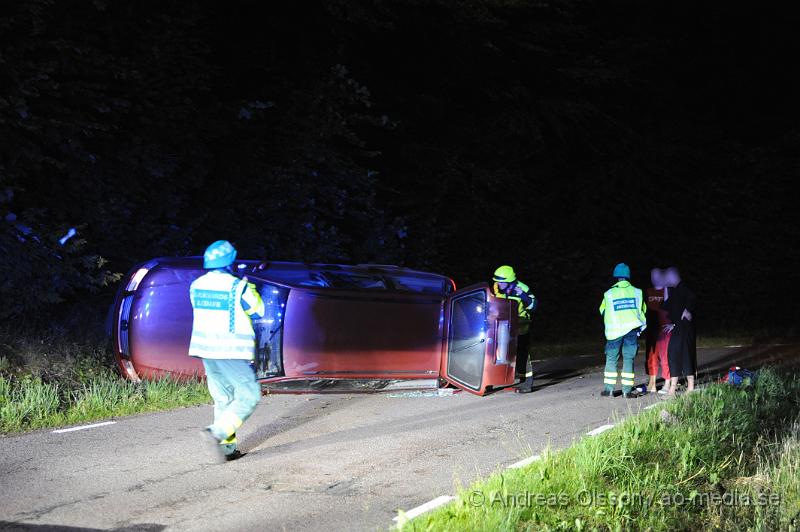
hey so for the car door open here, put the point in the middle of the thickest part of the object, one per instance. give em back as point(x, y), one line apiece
point(479, 352)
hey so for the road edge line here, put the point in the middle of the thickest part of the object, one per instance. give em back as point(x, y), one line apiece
point(599, 430)
point(84, 427)
point(523, 463)
point(427, 507)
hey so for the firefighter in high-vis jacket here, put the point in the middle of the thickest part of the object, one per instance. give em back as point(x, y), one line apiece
point(223, 337)
point(507, 286)
point(623, 310)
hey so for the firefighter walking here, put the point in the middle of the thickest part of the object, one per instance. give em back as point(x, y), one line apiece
point(507, 286)
point(623, 310)
point(224, 339)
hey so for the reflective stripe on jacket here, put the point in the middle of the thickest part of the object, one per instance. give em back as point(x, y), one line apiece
point(623, 310)
point(223, 305)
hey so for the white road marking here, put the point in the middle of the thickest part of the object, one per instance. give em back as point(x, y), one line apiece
point(652, 406)
point(757, 345)
point(523, 463)
point(427, 507)
point(83, 427)
point(599, 430)
point(596, 355)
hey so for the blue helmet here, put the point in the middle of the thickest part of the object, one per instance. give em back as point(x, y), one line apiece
point(621, 271)
point(220, 254)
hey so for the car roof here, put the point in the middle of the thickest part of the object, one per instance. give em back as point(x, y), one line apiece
point(333, 276)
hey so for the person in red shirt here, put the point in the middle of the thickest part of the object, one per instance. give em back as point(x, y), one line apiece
point(680, 304)
point(658, 331)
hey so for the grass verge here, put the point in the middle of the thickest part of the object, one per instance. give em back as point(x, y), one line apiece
point(29, 403)
point(723, 459)
point(62, 375)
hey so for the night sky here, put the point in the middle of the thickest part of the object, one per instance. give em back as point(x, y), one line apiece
point(559, 137)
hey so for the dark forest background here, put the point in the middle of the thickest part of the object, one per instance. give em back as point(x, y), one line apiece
point(453, 136)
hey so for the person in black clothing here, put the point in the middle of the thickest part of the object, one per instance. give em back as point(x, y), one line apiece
point(679, 303)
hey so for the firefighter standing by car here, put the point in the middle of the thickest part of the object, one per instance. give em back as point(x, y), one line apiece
point(223, 337)
point(623, 310)
point(507, 286)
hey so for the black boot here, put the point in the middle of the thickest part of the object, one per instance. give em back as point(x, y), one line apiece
point(526, 386)
point(235, 455)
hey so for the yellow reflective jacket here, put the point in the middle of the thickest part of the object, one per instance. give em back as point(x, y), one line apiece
point(223, 305)
point(519, 292)
point(623, 310)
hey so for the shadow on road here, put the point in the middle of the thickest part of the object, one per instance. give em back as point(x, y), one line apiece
point(548, 373)
point(553, 377)
point(298, 416)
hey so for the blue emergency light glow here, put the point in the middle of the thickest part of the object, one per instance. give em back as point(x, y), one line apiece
point(72, 232)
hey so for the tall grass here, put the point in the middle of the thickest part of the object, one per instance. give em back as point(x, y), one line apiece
point(29, 403)
point(777, 474)
point(63, 373)
point(708, 460)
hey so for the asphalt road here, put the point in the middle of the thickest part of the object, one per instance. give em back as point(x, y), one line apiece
point(324, 462)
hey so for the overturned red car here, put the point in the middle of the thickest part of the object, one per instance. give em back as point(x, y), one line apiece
point(328, 327)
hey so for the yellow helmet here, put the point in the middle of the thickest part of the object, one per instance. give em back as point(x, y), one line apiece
point(505, 274)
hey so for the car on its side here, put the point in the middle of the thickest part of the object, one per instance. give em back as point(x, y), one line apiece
point(327, 328)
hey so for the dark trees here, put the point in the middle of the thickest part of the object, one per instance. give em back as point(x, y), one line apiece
point(560, 137)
